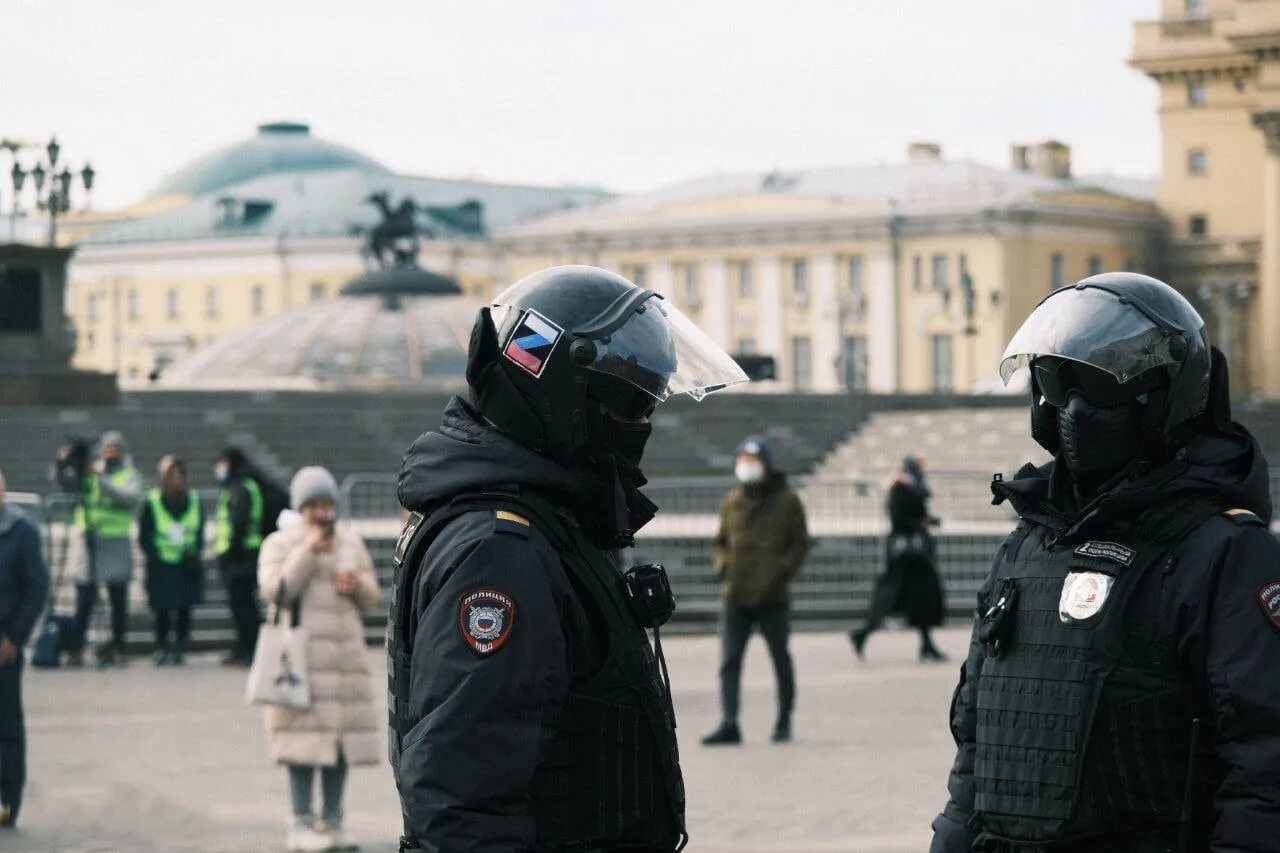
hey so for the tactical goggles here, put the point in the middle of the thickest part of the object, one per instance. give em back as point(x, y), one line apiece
point(1057, 378)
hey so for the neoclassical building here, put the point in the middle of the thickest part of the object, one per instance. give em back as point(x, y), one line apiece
point(255, 229)
point(1217, 63)
point(900, 277)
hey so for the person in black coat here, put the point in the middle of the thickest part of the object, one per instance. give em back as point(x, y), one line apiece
point(24, 591)
point(910, 584)
point(171, 535)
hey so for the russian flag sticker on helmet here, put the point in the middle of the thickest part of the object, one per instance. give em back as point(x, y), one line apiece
point(532, 342)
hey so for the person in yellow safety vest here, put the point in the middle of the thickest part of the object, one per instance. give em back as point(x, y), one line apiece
point(171, 535)
point(237, 538)
point(112, 491)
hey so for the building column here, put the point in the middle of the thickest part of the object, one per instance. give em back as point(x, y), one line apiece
point(824, 323)
point(882, 323)
point(770, 332)
point(715, 302)
point(1266, 350)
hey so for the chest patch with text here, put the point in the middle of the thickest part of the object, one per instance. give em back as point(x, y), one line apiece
point(1083, 595)
point(1113, 551)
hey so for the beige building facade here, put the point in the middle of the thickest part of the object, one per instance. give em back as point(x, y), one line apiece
point(899, 278)
point(1217, 63)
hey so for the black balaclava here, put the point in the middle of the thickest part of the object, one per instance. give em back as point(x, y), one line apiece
point(1099, 442)
point(626, 440)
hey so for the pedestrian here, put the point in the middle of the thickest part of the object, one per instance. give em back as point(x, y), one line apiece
point(104, 518)
point(323, 570)
point(759, 550)
point(171, 536)
point(910, 584)
point(24, 591)
point(520, 665)
point(240, 524)
point(1120, 689)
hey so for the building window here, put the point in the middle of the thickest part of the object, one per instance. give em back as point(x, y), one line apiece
point(800, 278)
point(1198, 225)
point(692, 291)
point(801, 364)
point(746, 287)
point(133, 304)
point(211, 303)
point(942, 380)
point(95, 307)
point(255, 300)
point(1196, 95)
point(1197, 161)
point(940, 273)
point(856, 290)
point(1095, 265)
point(746, 346)
point(172, 308)
point(853, 362)
point(317, 291)
point(635, 273)
point(1241, 84)
point(1057, 274)
point(917, 273)
point(1195, 8)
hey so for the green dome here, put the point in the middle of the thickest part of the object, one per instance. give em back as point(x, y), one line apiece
point(278, 147)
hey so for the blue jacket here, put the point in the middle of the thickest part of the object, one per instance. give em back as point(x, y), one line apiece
point(24, 580)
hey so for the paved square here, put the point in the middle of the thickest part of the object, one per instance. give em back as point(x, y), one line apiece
point(172, 760)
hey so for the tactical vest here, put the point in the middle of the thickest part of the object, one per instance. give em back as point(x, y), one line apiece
point(611, 774)
point(222, 532)
point(1084, 724)
point(175, 537)
point(108, 521)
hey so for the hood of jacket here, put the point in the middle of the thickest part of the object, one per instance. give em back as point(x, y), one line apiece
point(1222, 467)
point(467, 454)
point(9, 516)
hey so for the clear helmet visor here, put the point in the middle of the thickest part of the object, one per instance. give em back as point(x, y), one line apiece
point(661, 351)
point(1092, 326)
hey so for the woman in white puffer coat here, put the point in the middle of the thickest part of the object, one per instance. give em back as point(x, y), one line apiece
point(326, 569)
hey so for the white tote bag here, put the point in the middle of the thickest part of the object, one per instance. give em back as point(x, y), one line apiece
point(279, 674)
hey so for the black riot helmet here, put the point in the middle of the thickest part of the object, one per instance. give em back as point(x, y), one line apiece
point(560, 349)
point(1138, 330)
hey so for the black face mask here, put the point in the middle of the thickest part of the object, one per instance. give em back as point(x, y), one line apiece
point(1098, 442)
point(626, 440)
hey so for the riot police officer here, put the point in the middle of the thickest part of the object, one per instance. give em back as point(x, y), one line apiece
point(1120, 689)
point(528, 709)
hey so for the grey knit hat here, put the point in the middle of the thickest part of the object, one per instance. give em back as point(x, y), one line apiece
point(312, 483)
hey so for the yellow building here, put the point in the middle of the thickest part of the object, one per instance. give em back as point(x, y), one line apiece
point(1217, 63)
point(252, 230)
point(907, 277)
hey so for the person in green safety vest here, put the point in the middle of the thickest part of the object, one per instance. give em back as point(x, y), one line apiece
point(112, 491)
point(171, 535)
point(239, 524)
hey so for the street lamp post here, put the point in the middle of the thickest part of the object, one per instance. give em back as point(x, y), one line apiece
point(50, 178)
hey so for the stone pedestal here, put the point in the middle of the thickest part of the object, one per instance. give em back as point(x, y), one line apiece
point(36, 342)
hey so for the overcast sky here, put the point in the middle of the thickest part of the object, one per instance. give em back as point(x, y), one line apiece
point(628, 95)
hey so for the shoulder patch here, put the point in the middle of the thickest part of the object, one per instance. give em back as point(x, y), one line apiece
point(1269, 601)
point(485, 619)
point(1244, 516)
point(1113, 551)
point(406, 536)
point(505, 521)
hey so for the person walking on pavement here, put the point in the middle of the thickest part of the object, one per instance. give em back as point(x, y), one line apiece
point(239, 525)
point(171, 536)
point(759, 550)
point(112, 491)
point(910, 584)
point(24, 590)
point(324, 570)
point(1119, 694)
point(529, 710)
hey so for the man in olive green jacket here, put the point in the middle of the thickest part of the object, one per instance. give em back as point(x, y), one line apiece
point(759, 550)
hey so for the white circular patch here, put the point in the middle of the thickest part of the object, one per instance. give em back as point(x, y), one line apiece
point(485, 623)
point(1083, 595)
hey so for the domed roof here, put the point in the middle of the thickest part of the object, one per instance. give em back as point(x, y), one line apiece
point(278, 147)
point(367, 340)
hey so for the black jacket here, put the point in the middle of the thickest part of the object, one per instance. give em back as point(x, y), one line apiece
point(481, 722)
point(24, 580)
point(1207, 611)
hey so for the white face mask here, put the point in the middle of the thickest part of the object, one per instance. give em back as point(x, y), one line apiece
point(749, 470)
point(221, 472)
